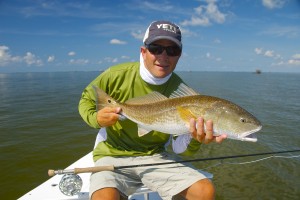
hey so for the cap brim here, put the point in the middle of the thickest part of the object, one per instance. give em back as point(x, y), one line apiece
point(177, 42)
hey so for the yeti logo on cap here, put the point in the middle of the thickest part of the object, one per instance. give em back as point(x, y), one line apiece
point(167, 27)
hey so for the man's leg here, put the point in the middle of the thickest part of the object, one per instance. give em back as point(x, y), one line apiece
point(107, 194)
point(202, 190)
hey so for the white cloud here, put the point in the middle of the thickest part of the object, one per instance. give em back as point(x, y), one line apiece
point(148, 5)
point(295, 60)
point(51, 58)
point(269, 53)
point(79, 61)
point(3, 51)
point(111, 60)
point(279, 63)
point(217, 41)
point(138, 35)
point(31, 59)
point(207, 55)
point(282, 31)
point(214, 13)
point(211, 57)
point(116, 41)
point(196, 21)
point(272, 4)
point(258, 50)
point(296, 56)
point(125, 57)
point(187, 32)
point(6, 58)
point(205, 15)
point(71, 53)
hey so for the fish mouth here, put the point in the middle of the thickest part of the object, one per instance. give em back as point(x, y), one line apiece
point(250, 136)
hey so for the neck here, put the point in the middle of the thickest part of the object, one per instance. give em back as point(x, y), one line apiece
point(148, 77)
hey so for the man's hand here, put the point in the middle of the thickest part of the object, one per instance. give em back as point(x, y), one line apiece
point(198, 132)
point(108, 116)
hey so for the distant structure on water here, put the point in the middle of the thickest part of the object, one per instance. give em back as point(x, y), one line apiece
point(258, 71)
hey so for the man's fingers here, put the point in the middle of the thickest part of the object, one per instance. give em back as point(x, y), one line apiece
point(220, 138)
point(112, 110)
point(209, 132)
point(193, 128)
point(108, 116)
point(200, 129)
point(203, 132)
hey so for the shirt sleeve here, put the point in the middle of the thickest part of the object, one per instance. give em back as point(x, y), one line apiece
point(87, 104)
point(87, 107)
point(185, 145)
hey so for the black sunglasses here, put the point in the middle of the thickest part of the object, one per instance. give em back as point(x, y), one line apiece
point(156, 49)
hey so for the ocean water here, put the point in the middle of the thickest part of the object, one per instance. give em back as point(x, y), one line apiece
point(40, 128)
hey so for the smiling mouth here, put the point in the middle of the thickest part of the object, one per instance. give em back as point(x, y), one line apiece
point(162, 66)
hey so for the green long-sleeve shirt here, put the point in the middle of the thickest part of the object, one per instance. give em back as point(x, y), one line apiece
point(123, 82)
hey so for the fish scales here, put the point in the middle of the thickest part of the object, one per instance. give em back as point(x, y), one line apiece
point(162, 110)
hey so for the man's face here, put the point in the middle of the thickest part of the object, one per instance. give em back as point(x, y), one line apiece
point(160, 65)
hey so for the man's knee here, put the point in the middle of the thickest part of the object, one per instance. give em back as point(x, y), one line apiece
point(106, 194)
point(209, 191)
point(203, 189)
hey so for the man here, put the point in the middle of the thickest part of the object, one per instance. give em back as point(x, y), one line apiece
point(118, 142)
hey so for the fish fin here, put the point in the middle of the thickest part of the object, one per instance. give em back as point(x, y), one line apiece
point(149, 98)
point(142, 131)
point(103, 99)
point(183, 90)
point(185, 114)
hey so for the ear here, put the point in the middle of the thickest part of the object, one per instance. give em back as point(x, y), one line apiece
point(143, 51)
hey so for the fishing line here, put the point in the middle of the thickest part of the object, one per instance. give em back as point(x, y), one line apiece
point(231, 163)
point(258, 160)
point(249, 162)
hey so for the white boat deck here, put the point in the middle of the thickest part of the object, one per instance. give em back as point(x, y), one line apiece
point(49, 190)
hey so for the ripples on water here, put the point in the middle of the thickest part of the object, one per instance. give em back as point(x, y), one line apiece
point(41, 128)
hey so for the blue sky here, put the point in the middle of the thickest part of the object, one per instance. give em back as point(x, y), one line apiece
point(86, 35)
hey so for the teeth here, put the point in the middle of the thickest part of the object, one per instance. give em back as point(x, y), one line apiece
point(250, 138)
point(251, 132)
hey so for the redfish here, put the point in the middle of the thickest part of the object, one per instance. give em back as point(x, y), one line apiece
point(172, 115)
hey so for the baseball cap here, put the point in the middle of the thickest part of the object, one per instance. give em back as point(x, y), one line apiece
point(163, 30)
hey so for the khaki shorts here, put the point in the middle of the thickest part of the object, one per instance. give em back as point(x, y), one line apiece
point(167, 180)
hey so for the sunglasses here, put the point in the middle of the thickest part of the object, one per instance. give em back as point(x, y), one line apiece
point(156, 49)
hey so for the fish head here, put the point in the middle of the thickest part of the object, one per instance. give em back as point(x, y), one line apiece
point(103, 99)
point(235, 121)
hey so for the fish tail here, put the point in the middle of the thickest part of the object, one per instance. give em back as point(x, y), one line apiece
point(103, 99)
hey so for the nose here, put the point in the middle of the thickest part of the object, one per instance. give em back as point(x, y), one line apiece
point(163, 57)
point(164, 54)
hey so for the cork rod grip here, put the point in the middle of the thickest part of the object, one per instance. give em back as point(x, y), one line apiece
point(52, 172)
point(93, 169)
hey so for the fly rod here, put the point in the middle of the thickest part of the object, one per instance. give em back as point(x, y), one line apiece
point(52, 172)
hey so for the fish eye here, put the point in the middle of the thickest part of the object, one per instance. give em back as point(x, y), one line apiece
point(243, 120)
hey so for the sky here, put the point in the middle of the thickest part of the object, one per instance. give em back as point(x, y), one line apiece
point(91, 35)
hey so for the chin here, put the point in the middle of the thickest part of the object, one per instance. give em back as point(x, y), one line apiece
point(161, 75)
